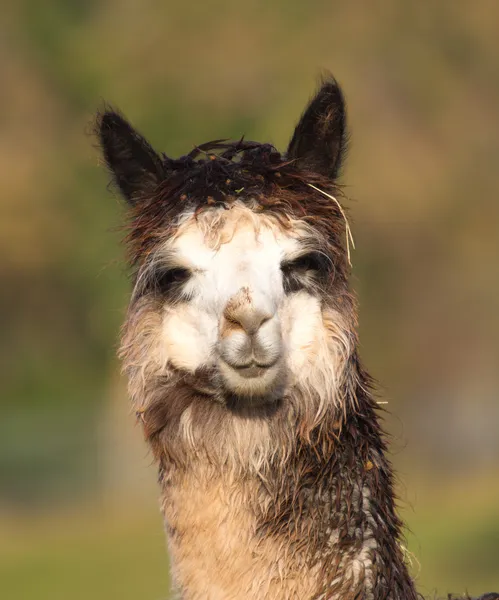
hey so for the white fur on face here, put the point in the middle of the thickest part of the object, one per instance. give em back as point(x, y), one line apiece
point(237, 317)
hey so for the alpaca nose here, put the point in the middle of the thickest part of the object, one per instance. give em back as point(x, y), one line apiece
point(242, 313)
point(250, 320)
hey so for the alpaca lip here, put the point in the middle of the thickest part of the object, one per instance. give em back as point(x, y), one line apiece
point(252, 369)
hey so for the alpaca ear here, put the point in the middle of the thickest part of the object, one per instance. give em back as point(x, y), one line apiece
point(135, 166)
point(320, 138)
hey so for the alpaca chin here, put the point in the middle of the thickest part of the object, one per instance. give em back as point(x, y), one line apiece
point(254, 386)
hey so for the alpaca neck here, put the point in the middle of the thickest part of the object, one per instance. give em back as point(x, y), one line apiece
point(319, 523)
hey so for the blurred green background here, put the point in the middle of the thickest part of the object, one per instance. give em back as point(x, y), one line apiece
point(78, 514)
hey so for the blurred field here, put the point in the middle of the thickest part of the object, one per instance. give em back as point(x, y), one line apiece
point(77, 502)
point(93, 556)
point(453, 535)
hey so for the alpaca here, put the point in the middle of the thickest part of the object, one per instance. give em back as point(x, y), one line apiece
point(241, 352)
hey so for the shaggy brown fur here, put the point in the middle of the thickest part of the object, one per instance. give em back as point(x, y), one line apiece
point(292, 499)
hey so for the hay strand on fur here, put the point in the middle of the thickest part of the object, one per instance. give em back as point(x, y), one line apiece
point(349, 236)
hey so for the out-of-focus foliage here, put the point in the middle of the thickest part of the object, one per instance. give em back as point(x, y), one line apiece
point(422, 84)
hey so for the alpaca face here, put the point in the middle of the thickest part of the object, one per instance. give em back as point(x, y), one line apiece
point(241, 297)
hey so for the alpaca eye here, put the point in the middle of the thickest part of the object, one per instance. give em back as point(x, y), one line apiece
point(170, 281)
point(313, 261)
point(304, 271)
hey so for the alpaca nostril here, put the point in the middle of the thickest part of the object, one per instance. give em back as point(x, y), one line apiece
point(255, 322)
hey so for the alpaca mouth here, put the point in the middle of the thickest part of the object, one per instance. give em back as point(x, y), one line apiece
point(251, 369)
point(252, 379)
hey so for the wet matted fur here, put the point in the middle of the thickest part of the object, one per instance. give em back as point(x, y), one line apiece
point(274, 478)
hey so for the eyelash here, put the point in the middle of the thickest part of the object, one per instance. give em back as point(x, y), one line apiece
point(304, 271)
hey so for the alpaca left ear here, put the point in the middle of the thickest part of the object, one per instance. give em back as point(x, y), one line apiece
point(320, 138)
point(136, 167)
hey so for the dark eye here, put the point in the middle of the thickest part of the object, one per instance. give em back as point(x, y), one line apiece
point(169, 281)
point(313, 261)
point(305, 271)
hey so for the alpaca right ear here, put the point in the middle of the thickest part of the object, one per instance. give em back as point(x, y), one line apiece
point(320, 138)
point(136, 167)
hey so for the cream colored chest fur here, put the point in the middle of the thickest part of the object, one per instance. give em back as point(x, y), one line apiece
point(217, 552)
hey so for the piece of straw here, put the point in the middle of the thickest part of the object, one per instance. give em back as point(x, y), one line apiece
point(410, 558)
point(349, 235)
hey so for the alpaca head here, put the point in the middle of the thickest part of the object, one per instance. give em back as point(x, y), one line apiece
point(240, 267)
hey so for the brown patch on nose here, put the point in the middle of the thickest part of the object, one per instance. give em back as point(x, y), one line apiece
point(237, 301)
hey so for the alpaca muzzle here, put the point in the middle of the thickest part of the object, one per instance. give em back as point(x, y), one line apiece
point(250, 335)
